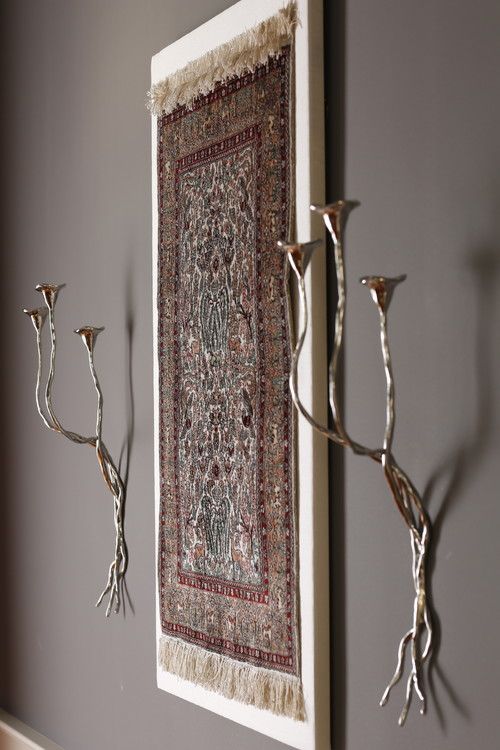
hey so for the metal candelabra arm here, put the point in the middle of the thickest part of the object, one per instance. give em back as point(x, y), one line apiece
point(111, 475)
point(299, 255)
point(335, 218)
point(50, 293)
point(406, 497)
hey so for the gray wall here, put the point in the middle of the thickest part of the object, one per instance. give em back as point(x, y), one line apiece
point(413, 103)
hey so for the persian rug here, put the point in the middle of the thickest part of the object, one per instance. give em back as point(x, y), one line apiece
point(227, 553)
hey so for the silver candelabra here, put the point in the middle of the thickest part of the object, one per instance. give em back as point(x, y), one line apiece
point(110, 473)
point(406, 497)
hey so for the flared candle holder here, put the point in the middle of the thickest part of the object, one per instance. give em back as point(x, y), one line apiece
point(335, 216)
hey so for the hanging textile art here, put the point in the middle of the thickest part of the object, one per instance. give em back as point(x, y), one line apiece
point(227, 560)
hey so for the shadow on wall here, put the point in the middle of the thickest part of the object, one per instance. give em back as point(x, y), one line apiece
point(464, 462)
point(334, 62)
point(126, 450)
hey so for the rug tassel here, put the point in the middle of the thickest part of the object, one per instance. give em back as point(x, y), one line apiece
point(273, 691)
point(240, 55)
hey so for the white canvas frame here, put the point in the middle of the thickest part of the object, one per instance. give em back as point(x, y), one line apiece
point(313, 734)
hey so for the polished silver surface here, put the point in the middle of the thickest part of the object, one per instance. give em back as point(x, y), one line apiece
point(111, 475)
point(406, 497)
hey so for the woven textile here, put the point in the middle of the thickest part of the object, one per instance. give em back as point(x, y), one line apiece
point(227, 546)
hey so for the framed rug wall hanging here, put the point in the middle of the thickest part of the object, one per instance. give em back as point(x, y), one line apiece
point(241, 485)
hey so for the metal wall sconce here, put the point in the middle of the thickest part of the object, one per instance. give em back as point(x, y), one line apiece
point(406, 497)
point(111, 475)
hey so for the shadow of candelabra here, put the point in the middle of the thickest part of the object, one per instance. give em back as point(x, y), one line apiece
point(334, 64)
point(126, 450)
point(458, 469)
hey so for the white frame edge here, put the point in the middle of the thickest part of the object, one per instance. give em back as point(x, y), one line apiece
point(314, 733)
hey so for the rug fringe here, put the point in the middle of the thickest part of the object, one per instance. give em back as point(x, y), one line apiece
point(238, 56)
point(273, 691)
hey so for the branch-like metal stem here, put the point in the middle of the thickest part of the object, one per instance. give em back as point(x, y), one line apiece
point(405, 496)
point(46, 422)
point(97, 386)
point(73, 436)
point(112, 478)
point(330, 434)
point(387, 459)
point(299, 255)
point(359, 449)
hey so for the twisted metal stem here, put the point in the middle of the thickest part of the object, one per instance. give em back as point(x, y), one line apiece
point(110, 473)
point(405, 495)
point(46, 422)
point(330, 434)
point(408, 502)
point(112, 478)
point(356, 447)
point(73, 436)
point(387, 458)
point(339, 435)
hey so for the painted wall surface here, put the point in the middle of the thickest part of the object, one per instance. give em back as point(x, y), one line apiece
point(413, 105)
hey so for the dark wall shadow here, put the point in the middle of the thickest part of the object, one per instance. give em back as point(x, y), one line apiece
point(458, 469)
point(126, 449)
point(334, 46)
